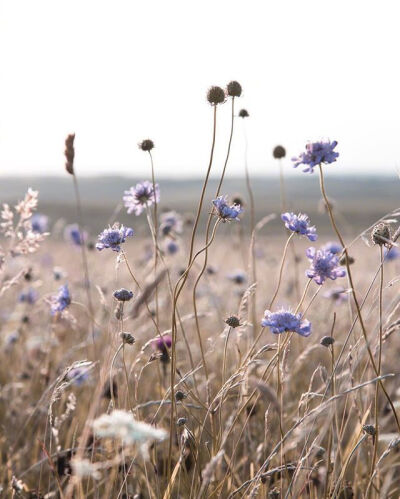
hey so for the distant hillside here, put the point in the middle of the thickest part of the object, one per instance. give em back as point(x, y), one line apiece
point(360, 199)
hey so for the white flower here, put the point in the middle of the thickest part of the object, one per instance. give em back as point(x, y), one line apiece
point(122, 425)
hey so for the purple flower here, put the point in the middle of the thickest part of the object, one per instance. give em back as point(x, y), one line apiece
point(123, 294)
point(225, 212)
point(391, 254)
point(113, 237)
point(285, 321)
point(338, 295)
point(333, 247)
point(61, 301)
point(316, 153)
point(238, 277)
point(137, 198)
point(163, 342)
point(324, 265)
point(170, 222)
point(74, 235)
point(300, 224)
point(39, 223)
point(78, 376)
point(172, 247)
point(30, 296)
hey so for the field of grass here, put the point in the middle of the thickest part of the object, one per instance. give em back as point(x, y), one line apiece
point(189, 389)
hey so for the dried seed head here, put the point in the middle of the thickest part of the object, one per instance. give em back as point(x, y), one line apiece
point(127, 338)
point(233, 321)
point(243, 113)
point(381, 234)
point(180, 395)
point(369, 429)
point(279, 152)
point(146, 145)
point(234, 89)
point(343, 259)
point(326, 341)
point(215, 95)
point(69, 153)
point(237, 199)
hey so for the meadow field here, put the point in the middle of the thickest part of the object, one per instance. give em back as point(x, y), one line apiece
point(218, 349)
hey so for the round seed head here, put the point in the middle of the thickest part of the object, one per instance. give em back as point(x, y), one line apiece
point(215, 95)
point(381, 234)
point(237, 199)
point(233, 321)
point(369, 429)
point(180, 395)
point(146, 145)
point(127, 338)
point(279, 152)
point(326, 341)
point(343, 260)
point(243, 113)
point(234, 89)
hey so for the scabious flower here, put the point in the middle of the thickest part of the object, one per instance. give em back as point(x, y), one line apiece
point(78, 376)
point(113, 237)
point(137, 198)
point(225, 212)
point(123, 294)
point(121, 425)
point(29, 296)
point(391, 254)
point(316, 153)
point(238, 277)
point(284, 321)
point(324, 265)
point(300, 224)
point(39, 223)
point(170, 221)
point(333, 247)
point(172, 247)
point(61, 301)
point(74, 235)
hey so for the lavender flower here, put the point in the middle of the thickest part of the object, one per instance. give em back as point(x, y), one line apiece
point(238, 277)
point(61, 301)
point(170, 221)
point(316, 153)
point(172, 247)
point(300, 224)
point(324, 265)
point(162, 344)
point(123, 294)
point(333, 247)
point(137, 198)
point(225, 212)
point(285, 321)
point(78, 376)
point(30, 296)
point(391, 254)
point(113, 237)
point(39, 223)
point(74, 235)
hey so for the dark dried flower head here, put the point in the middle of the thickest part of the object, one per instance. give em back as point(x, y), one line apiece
point(127, 338)
point(350, 260)
point(123, 294)
point(369, 429)
point(326, 341)
point(146, 145)
point(180, 395)
point(243, 113)
point(215, 95)
point(69, 153)
point(237, 199)
point(381, 234)
point(233, 321)
point(279, 152)
point(234, 89)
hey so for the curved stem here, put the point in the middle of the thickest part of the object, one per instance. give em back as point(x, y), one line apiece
point(281, 270)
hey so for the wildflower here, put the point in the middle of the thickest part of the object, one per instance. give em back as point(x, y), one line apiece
point(74, 235)
point(225, 212)
point(233, 321)
point(30, 296)
point(163, 343)
point(234, 89)
point(333, 247)
point(137, 198)
point(327, 341)
point(61, 301)
point(338, 295)
point(300, 224)
point(381, 234)
point(279, 152)
point(170, 221)
point(39, 223)
point(113, 237)
point(78, 376)
point(146, 145)
point(324, 265)
point(285, 321)
point(238, 277)
point(122, 425)
point(215, 95)
point(172, 247)
point(180, 395)
point(123, 294)
point(127, 338)
point(243, 113)
point(391, 254)
point(316, 154)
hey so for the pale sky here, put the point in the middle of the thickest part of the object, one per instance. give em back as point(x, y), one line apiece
point(118, 71)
